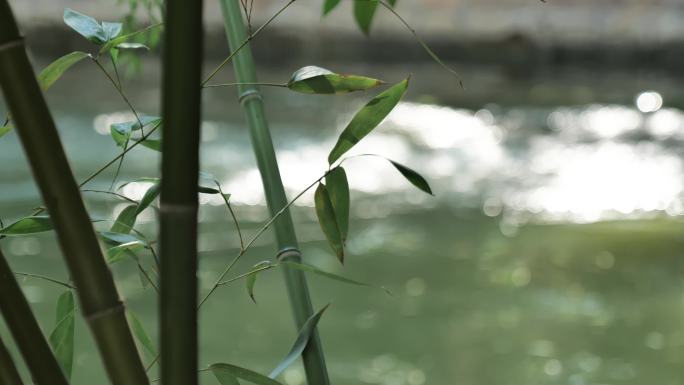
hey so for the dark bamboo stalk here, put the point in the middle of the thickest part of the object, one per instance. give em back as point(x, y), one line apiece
point(250, 98)
point(25, 330)
point(8, 372)
point(100, 304)
point(181, 110)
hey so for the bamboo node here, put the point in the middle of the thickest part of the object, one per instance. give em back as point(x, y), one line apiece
point(289, 253)
point(8, 45)
point(249, 95)
point(118, 308)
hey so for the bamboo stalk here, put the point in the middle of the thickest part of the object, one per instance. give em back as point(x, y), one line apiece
point(100, 303)
point(25, 330)
point(8, 372)
point(181, 105)
point(250, 98)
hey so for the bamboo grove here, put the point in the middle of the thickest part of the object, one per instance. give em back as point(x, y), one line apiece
point(90, 247)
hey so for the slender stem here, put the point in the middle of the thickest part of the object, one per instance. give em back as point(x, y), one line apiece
point(246, 41)
point(284, 85)
point(247, 274)
point(45, 278)
point(111, 193)
point(98, 296)
point(147, 276)
point(25, 330)
point(116, 71)
point(181, 111)
point(8, 371)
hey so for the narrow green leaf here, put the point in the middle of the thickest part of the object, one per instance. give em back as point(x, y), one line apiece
point(86, 26)
point(62, 337)
point(312, 269)
point(225, 378)
point(114, 53)
point(150, 195)
point(413, 177)
point(141, 334)
point(124, 251)
point(250, 280)
point(221, 370)
point(28, 225)
point(124, 38)
point(328, 222)
point(4, 130)
point(364, 10)
point(152, 144)
point(338, 190)
point(120, 238)
point(329, 5)
point(317, 80)
point(56, 69)
point(308, 330)
point(369, 117)
point(132, 46)
point(208, 190)
point(126, 220)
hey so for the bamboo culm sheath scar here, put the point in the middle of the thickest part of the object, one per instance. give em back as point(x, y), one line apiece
point(181, 111)
point(98, 297)
point(250, 98)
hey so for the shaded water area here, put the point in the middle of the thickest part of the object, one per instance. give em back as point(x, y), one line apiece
point(551, 254)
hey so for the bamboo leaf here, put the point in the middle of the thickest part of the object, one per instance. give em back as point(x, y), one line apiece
point(132, 46)
point(338, 190)
point(364, 10)
point(126, 220)
point(124, 38)
point(150, 195)
point(317, 80)
point(305, 334)
point(225, 377)
point(152, 144)
point(250, 280)
point(119, 238)
point(4, 130)
point(62, 337)
point(329, 5)
point(223, 370)
point(56, 69)
point(369, 117)
point(111, 30)
point(86, 26)
point(124, 251)
point(413, 177)
point(28, 225)
point(326, 218)
point(141, 334)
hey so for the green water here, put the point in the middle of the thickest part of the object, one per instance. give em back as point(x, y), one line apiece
point(588, 293)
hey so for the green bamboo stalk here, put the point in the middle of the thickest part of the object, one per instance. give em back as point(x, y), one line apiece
point(181, 105)
point(250, 98)
point(8, 372)
point(24, 328)
point(100, 303)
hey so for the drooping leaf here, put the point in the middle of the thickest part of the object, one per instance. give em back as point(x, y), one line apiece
point(369, 117)
point(86, 26)
point(328, 222)
point(62, 337)
point(4, 130)
point(364, 11)
point(152, 144)
point(225, 378)
point(317, 80)
point(50, 74)
point(413, 177)
point(314, 270)
point(126, 220)
point(220, 370)
point(329, 5)
point(124, 38)
point(250, 280)
point(150, 195)
point(141, 334)
point(302, 340)
point(28, 225)
point(338, 190)
point(124, 251)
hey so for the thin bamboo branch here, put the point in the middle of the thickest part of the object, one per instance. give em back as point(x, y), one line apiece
point(8, 372)
point(100, 303)
point(250, 98)
point(25, 330)
point(181, 111)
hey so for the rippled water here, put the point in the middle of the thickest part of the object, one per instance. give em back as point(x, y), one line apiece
point(551, 254)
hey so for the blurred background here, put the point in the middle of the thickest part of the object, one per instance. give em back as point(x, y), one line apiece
point(552, 252)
